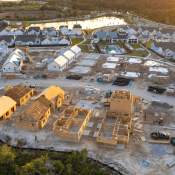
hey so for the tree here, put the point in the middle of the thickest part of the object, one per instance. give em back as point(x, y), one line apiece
point(69, 168)
point(84, 152)
point(43, 170)
point(80, 158)
point(69, 160)
point(59, 166)
point(43, 15)
point(16, 15)
point(6, 154)
point(74, 155)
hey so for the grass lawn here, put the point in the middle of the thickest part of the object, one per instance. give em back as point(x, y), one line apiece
point(16, 26)
point(148, 43)
point(23, 7)
point(136, 46)
point(139, 53)
point(128, 20)
point(85, 49)
point(88, 41)
point(76, 41)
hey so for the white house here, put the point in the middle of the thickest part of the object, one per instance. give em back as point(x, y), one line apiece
point(34, 31)
point(132, 31)
point(64, 40)
point(76, 50)
point(5, 31)
point(57, 64)
point(42, 63)
point(7, 39)
point(123, 29)
point(49, 31)
point(77, 28)
point(26, 40)
point(46, 40)
point(70, 56)
point(20, 31)
point(12, 64)
point(64, 29)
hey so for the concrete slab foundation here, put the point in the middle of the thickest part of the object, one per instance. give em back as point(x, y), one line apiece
point(113, 59)
point(109, 65)
point(80, 69)
point(90, 124)
point(92, 56)
point(87, 63)
point(86, 132)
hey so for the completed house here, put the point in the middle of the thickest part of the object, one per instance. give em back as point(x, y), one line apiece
point(34, 31)
point(76, 50)
point(4, 23)
point(123, 29)
point(64, 40)
point(7, 39)
point(3, 51)
point(167, 49)
point(57, 64)
point(46, 40)
point(26, 40)
point(5, 31)
point(49, 31)
point(64, 29)
point(20, 31)
point(77, 28)
point(7, 107)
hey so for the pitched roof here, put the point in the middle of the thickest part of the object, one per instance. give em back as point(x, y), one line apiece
point(63, 37)
point(51, 93)
point(113, 34)
point(6, 103)
point(6, 38)
point(33, 113)
point(77, 26)
point(125, 27)
point(43, 37)
point(49, 28)
point(62, 27)
point(75, 49)
point(18, 52)
point(17, 92)
point(36, 29)
point(165, 45)
point(26, 38)
point(22, 29)
point(165, 31)
point(14, 59)
point(68, 54)
point(101, 34)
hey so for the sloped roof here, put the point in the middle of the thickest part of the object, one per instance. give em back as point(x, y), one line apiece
point(6, 103)
point(64, 37)
point(68, 54)
point(62, 27)
point(17, 52)
point(75, 49)
point(101, 34)
point(6, 38)
point(14, 59)
point(165, 45)
point(125, 27)
point(36, 29)
point(113, 34)
point(49, 28)
point(43, 37)
point(77, 26)
point(26, 38)
point(51, 93)
point(165, 31)
point(61, 60)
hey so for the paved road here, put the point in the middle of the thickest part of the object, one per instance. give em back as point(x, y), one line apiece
point(75, 83)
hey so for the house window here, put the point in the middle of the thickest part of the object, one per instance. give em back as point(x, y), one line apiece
point(9, 67)
point(54, 66)
point(26, 96)
point(22, 100)
point(1, 118)
point(12, 109)
point(7, 113)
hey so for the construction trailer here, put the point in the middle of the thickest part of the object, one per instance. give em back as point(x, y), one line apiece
point(115, 129)
point(19, 93)
point(33, 118)
point(51, 97)
point(72, 123)
point(7, 107)
point(121, 101)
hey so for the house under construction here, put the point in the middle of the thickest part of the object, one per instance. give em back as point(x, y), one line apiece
point(33, 117)
point(51, 97)
point(19, 93)
point(121, 101)
point(7, 107)
point(115, 129)
point(70, 126)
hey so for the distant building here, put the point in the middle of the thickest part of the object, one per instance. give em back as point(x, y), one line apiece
point(34, 31)
point(77, 28)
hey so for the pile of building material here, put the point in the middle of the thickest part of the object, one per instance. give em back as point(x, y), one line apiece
point(14, 76)
point(91, 90)
point(121, 81)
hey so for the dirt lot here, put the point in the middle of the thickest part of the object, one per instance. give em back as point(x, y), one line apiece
point(130, 158)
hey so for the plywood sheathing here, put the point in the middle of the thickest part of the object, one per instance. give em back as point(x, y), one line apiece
point(25, 49)
point(33, 117)
point(121, 101)
point(7, 107)
point(19, 93)
point(51, 97)
point(72, 123)
point(115, 129)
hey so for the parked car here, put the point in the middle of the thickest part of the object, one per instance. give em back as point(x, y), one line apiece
point(32, 86)
point(160, 135)
point(156, 89)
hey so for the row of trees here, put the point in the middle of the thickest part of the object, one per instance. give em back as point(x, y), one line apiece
point(159, 11)
point(42, 163)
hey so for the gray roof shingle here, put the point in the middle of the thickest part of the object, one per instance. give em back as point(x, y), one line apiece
point(36, 29)
point(7, 38)
point(26, 38)
point(165, 45)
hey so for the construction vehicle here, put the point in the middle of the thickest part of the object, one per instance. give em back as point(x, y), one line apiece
point(108, 94)
point(160, 135)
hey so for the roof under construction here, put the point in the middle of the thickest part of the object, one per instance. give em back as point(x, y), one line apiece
point(5, 104)
point(17, 92)
point(32, 113)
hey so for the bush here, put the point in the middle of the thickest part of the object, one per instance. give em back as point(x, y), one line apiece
point(59, 166)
